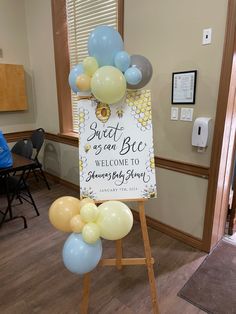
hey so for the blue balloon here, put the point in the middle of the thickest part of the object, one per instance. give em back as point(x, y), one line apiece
point(74, 73)
point(80, 257)
point(104, 42)
point(122, 60)
point(133, 76)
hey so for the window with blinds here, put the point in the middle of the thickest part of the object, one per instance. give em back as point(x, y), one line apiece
point(82, 17)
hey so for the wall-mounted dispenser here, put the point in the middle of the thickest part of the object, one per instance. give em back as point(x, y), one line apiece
point(201, 130)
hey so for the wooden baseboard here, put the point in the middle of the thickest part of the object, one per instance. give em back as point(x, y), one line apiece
point(172, 232)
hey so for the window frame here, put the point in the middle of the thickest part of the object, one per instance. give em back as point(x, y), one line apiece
point(62, 62)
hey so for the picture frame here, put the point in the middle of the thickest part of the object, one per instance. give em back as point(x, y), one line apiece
point(184, 87)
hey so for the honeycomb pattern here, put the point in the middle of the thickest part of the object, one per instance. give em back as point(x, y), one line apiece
point(82, 165)
point(150, 164)
point(83, 115)
point(140, 103)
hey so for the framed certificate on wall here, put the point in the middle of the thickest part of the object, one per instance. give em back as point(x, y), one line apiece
point(184, 87)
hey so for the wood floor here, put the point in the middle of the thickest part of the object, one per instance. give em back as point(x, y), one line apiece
point(34, 280)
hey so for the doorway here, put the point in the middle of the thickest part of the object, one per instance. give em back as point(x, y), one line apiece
point(223, 151)
point(230, 227)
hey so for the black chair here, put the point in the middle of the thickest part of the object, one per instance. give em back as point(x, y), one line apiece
point(18, 184)
point(37, 139)
point(23, 148)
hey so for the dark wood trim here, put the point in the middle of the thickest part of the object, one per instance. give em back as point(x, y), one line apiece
point(211, 233)
point(171, 231)
point(71, 139)
point(62, 64)
point(59, 138)
point(182, 167)
point(121, 17)
point(63, 138)
point(16, 136)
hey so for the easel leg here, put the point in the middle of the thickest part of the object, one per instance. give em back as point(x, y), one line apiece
point(118, 254)
point(85, 297)
point(148, 256)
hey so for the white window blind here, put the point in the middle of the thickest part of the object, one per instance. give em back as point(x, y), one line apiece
point(82, 17)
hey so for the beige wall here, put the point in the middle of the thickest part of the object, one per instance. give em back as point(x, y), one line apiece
point(41, 51)
point(180, 202)
point(169, 33)
point(13, 42)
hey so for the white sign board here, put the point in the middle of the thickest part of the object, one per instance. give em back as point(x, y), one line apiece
point(116, 155)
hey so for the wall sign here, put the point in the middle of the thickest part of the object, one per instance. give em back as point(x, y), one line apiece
point(116, 155)
point(184, 87)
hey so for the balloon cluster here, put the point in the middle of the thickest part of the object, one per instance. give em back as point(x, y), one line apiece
point(109, 70)
point(82, 251)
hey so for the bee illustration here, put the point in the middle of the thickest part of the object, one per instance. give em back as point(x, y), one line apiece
point(120, 112)
point(152, 194)
point(87, 147)
point(103, 112)
point(149, 192)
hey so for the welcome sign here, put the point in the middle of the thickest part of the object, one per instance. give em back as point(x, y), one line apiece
point(116, 155)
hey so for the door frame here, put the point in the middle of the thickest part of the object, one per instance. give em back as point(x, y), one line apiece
point(223, 140)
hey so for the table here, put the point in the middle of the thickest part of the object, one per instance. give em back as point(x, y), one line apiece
point(21, 165)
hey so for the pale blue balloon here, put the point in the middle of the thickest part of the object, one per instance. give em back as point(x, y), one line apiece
point(133, 76)
point(80, 257)
point(74, 73)
point(122, 60)
point(104, 42)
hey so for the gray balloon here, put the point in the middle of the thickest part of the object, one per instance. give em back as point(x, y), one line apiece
point(144, 65)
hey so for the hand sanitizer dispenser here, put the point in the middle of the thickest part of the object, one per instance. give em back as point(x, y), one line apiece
point(201, 130)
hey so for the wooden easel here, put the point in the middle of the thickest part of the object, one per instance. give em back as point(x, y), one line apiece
point(119, 261)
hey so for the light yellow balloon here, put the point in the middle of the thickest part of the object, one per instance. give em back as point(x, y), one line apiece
point(77, 224)
point(89, 212)
point(83, 82)
point(90, 65)
point(108, 84)
point(85, 201)
point(91, 233)
point(115, 220)
point(62, 210)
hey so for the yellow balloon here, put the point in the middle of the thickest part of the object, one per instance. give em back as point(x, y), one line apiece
point(90, 65)
point(62, 210)
point(77, 224)
point(91, 233)
point(115, 220)
point(89, 212)
point(108, 84)
point(83, 82)
point(85, 201)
